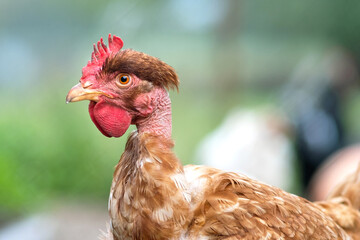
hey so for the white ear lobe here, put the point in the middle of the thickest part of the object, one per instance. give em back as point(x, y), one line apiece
point(144, 104)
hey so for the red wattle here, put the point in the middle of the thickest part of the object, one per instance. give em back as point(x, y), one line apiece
point(112, 121)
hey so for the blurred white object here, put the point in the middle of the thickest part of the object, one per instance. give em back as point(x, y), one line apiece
point(254, 143)
point(37, 227)
point(67, 221)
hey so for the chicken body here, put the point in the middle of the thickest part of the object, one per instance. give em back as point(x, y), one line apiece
point(154, 197)
point(159, 199)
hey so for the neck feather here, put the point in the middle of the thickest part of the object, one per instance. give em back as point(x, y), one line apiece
point(149, 193)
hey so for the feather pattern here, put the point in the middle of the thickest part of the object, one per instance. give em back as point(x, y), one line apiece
point(160, 199)
point(145, 201)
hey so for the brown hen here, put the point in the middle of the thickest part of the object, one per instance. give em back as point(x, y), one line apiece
point(154, 197)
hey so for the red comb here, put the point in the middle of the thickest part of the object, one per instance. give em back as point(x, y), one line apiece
point(100, 53)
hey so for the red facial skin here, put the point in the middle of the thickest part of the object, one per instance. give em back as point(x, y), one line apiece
point(111, 121)
point(110, 114)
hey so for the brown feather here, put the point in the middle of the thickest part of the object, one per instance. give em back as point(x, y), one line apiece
point(341, 211)
point(343, 204)
point(143, 66)
point(154, 197)
point(144, 202)
point(232, 206)
point(349, 188)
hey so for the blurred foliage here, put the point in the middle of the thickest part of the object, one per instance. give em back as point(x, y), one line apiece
point(46, 153)
point(227, 54)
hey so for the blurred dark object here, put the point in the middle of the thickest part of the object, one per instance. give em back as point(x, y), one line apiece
point(334, 169)
point(313, 99)
point(319, 132)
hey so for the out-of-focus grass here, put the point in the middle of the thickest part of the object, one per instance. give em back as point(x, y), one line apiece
point(48, 149)
point(351, 112)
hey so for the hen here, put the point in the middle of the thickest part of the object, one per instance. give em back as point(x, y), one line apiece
point(154, 197)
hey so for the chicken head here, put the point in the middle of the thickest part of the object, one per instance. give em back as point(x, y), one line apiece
point(123, 86)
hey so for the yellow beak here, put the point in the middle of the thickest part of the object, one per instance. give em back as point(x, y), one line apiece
point(78, 93)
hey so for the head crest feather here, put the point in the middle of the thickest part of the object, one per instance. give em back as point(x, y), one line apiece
point(100, 54)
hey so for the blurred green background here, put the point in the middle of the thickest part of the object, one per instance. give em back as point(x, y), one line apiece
point(227, 54)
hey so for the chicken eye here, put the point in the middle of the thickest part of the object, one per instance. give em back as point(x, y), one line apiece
point(123, 80)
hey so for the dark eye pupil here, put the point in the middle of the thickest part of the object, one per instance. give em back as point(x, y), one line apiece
point(123, 79)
